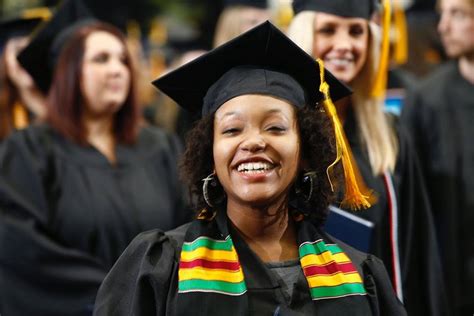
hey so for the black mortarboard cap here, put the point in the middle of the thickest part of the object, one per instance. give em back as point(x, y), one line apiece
point(36, 57)
point(260, 61)
point(346, 8)
point(22, 25)
point(250, 3)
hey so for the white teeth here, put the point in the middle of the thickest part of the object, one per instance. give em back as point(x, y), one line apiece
point(339, 61)
point(254, 167)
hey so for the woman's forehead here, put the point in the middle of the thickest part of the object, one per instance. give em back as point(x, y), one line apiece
point(254, 104)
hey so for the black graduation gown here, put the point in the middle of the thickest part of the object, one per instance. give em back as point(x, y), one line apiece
point(66, 215)
point(422, 285)
point(144, 281)
point(440, 115)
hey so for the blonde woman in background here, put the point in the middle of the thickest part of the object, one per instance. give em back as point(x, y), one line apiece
point(400, 227)
point(239, 16)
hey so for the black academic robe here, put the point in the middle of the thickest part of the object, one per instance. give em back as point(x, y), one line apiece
point(420, 268)
point(66, 215)
point(144, 281)
point(440, 115)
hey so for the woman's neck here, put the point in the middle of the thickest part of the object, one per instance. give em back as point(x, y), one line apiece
point(100, 135)
point(269, 232)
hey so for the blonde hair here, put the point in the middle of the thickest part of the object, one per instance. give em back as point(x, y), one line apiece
point(374, 128)
point(229, 25)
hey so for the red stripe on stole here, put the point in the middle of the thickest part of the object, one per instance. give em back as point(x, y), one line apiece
point(329, 269)
point(221, 265)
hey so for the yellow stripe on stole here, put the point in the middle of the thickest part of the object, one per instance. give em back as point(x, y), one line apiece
point(333, 280)
point(211, 275)
point(324, 258)
point(208, 254)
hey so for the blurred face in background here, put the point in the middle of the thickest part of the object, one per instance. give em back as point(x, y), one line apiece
point(456, 27)
point(105, 74)
point(342, 43)
point(251, 17)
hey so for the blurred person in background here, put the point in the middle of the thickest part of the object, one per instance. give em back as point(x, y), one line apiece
point(21, 102)
point(76, 190)
point(440, 115)
point(398, 225)
point(238, 17)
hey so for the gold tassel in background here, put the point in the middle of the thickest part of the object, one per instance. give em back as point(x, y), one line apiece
point(380, 81)
point(400, 54)
point(20, 116)
point(356, 195)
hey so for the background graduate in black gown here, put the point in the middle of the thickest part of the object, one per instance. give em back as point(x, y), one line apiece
point(263, 147)
point(21, 102)
point(341, 34)
point(75, 191)
point(440, 115)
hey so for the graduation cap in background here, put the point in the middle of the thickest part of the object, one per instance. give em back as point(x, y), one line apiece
point(250, 3)
point(260, 61)
point(22, 25)
point(346, 8)
point(36, 58)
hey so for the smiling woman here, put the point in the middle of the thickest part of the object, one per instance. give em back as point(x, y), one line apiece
point(77, 189)
point(256, 163)
point(343, 35)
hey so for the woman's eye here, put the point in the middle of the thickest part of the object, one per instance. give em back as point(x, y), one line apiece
point(326, 30)
point(230, 131)
point(276, 128)
point(356, 31)
point(101, 58)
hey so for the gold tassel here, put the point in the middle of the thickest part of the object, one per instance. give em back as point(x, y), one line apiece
point(400, 55)
point(20, 116)
point(380, 81)
point(43, 13)
point(356, 194)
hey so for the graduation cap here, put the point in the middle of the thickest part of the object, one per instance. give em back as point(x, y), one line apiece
point(36, 58)
point(250, 3)
point(22, 25)
point(257, 55)
point(260, 61)
point(346, 8)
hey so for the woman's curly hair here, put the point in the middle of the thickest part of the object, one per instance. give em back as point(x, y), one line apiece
point(318, 151)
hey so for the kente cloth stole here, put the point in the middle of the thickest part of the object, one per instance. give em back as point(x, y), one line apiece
point(209, 265)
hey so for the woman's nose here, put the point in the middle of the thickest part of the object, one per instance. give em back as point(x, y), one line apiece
point(117, 66)
point(254, 143)
point(342, 43)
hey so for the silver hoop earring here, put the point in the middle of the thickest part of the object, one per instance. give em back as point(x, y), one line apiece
point(308, 179)
point(205, 192)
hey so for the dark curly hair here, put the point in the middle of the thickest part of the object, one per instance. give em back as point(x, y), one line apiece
point(318, 152)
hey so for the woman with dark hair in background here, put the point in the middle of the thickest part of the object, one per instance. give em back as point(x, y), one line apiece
point(75, 191)
point(257, 163)
point(400, 225)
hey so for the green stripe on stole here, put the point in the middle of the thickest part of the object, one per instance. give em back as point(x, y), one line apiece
point(326, 292)
point(218, 286)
